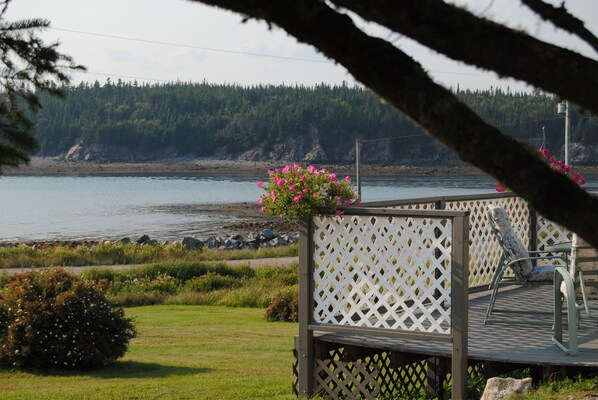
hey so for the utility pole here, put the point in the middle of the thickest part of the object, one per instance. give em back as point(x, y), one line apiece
point(563, 108)
point(357, 172)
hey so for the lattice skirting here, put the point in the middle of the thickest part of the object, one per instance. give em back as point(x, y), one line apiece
point(357, 372)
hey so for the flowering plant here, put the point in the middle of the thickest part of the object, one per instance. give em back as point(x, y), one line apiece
point(558, 166)
point(295, 191)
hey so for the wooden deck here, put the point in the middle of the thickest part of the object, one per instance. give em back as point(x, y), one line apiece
point(526, 344)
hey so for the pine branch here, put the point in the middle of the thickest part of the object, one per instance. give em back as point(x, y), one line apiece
point(561, 18)
point(403, 83)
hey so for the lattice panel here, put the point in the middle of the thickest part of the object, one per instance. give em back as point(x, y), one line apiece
point(484, 250)
point(550, 233)
point(369, 378)
point(383, 272)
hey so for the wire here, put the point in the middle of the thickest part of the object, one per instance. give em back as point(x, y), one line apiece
point(123, 76)
point(229, 51)
point(391, 138)
point(193, 47)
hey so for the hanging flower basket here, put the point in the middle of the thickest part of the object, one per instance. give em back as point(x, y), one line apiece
point(296, 192)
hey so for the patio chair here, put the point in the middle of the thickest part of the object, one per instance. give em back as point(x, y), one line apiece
point(570, 286)
point(517, 259)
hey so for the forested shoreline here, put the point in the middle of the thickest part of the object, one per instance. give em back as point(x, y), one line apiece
point(130, 122)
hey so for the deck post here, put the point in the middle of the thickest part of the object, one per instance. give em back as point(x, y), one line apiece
point(459, 306)
point(306, 340)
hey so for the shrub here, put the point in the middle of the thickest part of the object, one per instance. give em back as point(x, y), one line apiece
point(211, 282)
point(284, 306)
point(50, 318)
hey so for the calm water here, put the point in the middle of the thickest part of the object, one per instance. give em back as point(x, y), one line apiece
point(109, 207)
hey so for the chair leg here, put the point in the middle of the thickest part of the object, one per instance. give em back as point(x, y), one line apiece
point(494, 286)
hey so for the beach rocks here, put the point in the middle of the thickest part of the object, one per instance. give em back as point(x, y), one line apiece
point(191, 243)
point(142, 239)
point(253, 240)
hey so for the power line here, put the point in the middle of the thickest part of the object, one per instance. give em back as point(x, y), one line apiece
point(391, 138)
point(123, 76)
point(227, 50)
point(245, 53)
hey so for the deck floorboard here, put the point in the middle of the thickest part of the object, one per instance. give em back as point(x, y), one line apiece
point(500, 341)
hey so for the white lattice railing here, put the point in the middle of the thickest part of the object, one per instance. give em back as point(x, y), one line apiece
point(484, 250)
point(398, 268)
point(389, 272)
point(382, 271)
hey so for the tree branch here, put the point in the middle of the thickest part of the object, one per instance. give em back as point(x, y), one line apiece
point(561, 18)
point(401, 81)
point(462, 36)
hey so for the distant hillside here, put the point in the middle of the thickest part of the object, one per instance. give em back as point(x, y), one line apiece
point(130, 122)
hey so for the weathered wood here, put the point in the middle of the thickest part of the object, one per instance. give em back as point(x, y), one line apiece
point(459, 306)
point(306, 345)
point(502, 343)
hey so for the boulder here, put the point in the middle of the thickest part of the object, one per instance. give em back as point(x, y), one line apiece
point(505, 388)
point(213, 242)
point(191, 243)
point(142, 239)
point(125, 240)
point(277, 241)
point(232, 244)
point(267, 234)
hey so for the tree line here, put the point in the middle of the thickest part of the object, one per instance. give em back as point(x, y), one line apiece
point(200, 118)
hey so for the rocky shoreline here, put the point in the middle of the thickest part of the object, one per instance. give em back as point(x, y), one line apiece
point(53, 166)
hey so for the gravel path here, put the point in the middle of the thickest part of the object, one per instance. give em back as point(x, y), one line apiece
point(253, 263)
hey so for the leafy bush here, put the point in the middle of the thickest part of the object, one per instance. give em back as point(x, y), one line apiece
point(50, 318)
point(284, 306)
point(211, 282)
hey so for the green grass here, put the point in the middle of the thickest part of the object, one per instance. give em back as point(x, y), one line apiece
point(23, 256)
point(194, 283)
point(566, 389)
point(181, 352)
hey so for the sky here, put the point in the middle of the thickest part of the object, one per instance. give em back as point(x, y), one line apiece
point(177, 40)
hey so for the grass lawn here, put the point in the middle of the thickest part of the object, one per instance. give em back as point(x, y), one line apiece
point(181, 352)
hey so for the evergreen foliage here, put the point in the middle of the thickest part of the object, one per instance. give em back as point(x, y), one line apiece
point(201, 119)
point(26, 63)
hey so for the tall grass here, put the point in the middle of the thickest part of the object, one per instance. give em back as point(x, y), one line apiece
point(194, 283)
point(24, 256)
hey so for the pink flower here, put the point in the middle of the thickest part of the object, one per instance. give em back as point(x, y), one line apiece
point(332, 177)
point(338, 213)
point(260, 184)
point(347, 202)
point(291, 187)
point(262, 208)
point(358, 202)
point(286, 169)
point(272, 196)
point(259, 201)
point(305, 191)
point(347, 178)
point(316, 195)
point(297, 198)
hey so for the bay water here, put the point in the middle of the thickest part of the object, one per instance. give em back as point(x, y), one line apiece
point(112, 207)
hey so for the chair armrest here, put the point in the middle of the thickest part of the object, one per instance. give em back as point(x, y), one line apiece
point(535, 258)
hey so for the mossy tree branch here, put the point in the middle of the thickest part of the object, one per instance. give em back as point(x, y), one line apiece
point(403, 83)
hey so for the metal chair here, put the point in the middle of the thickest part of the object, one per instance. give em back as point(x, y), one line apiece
point(517, 259)
point(570, 286)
